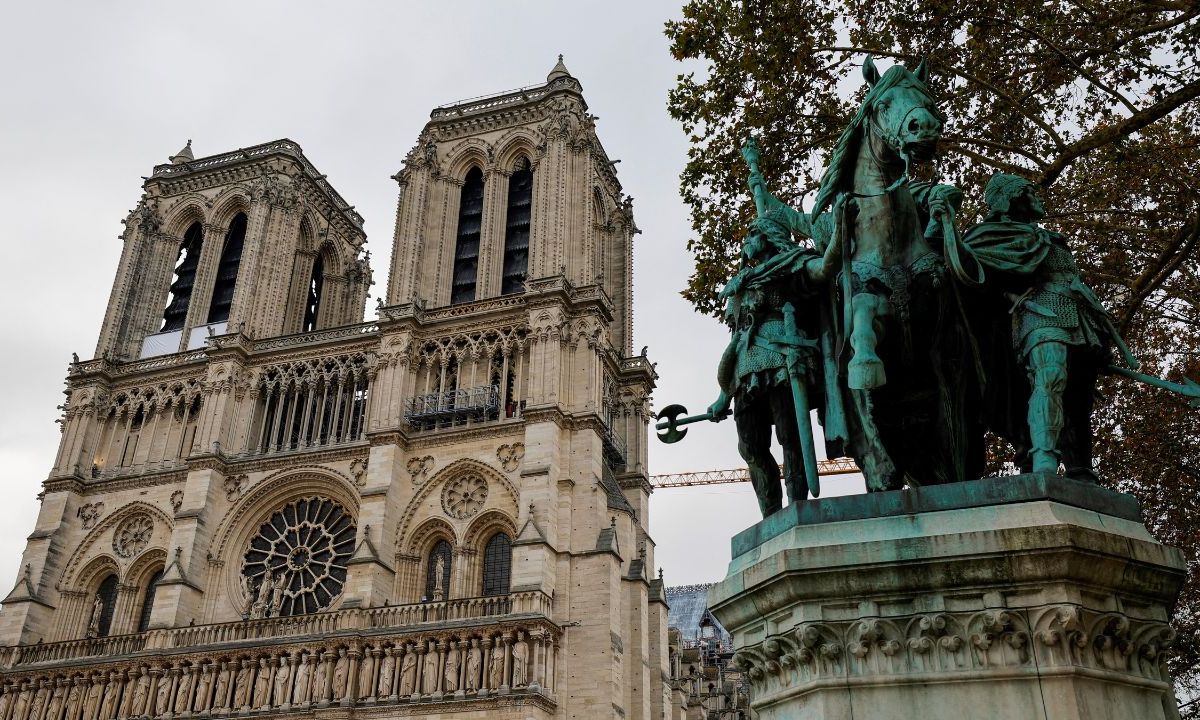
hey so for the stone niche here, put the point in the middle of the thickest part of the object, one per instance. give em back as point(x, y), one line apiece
point(1029, 597)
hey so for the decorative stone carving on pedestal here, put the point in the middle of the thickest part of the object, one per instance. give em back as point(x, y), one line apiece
point(1032, 596)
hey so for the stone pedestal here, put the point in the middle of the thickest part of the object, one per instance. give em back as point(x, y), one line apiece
point(1027, 597)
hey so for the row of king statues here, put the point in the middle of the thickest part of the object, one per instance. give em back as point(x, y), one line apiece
point(910, 337)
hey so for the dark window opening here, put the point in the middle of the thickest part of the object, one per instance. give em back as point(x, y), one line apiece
point(516, 229)
point(227, 271)
point(185, 277)
point(148, 601)
point(435, 591)
point(108, 599)
point(497, 565)
point(466, 247)
point(313, 305)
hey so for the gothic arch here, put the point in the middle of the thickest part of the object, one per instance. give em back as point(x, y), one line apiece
point(423, 537)
point(144, 566)
point(486, 524)
point(458, 467)
point(230, 202)
point(462, 156)
point(190, 208)
point(96, 569)
point(234, 533)
point(516, 143)
point(72, 572)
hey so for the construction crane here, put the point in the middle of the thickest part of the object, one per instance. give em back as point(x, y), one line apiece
point(836, 466)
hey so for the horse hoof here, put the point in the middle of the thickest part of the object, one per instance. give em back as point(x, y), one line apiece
point(865, 374)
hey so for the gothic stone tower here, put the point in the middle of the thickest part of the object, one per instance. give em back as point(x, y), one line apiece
point(261, 504)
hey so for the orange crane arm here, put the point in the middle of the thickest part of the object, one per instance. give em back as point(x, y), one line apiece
point(836, 466)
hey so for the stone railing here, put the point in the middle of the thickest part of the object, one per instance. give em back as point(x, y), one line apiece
point(282, 147)
point(532, 603)
point(499, 663)
point(366, 329)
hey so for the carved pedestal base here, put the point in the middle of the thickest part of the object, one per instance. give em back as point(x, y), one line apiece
point(1032, 597)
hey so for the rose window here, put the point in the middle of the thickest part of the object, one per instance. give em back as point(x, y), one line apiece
point(133, 535)
point(464, 496)
point(296, 563)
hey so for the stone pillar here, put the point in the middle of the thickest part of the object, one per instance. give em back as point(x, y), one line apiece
point(1032, 596)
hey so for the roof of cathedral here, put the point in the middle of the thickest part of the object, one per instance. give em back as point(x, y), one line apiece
point(558, 71)
point(689, 612)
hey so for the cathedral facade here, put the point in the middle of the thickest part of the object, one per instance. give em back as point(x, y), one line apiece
point(263, 505)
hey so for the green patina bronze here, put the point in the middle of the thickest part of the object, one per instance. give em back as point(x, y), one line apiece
point(910, 339)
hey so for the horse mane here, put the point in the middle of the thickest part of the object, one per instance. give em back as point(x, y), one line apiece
point(842, 160)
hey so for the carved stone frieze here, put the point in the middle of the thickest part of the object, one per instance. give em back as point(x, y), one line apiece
point(89, 514)
point(235, 485)
point(510, 456)
point(913, 648)
point(419, 468)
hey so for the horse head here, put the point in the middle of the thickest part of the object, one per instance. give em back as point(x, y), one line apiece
point(900, 110)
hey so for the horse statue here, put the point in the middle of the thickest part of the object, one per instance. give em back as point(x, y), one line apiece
point(895, 341)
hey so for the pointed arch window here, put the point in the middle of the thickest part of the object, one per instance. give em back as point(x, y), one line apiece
point(497, 565)
point(313, 305)
point(148, 601)
point(227, 270)
point(175, 313)
point(437, 572)
point(516, 229)
point(106, 595)
point(466, 246)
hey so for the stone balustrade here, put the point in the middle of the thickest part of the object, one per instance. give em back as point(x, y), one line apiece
point(325, 669)
point(521, 604)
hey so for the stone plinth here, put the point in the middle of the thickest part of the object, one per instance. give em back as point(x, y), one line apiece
point(1028, 597)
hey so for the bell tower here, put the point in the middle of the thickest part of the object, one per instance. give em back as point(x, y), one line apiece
point(254, 240)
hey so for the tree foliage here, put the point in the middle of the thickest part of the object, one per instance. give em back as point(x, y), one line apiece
point(1095, 100)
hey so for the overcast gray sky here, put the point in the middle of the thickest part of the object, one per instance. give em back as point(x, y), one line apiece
point(96, 94)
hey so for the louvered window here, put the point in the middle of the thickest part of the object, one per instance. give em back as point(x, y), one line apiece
point(466, 247)
point(108, 597)
point(439, 560)
point(313, 306)
point(227, 271)
point(185, 277)
point(516, 229)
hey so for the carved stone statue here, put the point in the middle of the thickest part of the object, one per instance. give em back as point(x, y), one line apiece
point(387, 669)
point(496, 666)
point(429, 672)
point(320, 681)
point(262, 685)
point(248, 596)
point(38, 705)
point(162, 694)
point(242, 685)
point(220, 700)
point(302, 684)
point(183, 693)
point(439, 574)
point(366, 673)
point(341, 674)
point(94, 618)
point(112, 696)
point(283, 674)
point(141, 694)
point(204, 679)
point(520, 655)
point(474, 660)
point(408, 672)
point(277, 593)
point(22, 703)
point(57, 698)
point(75, 696)
point(450, 674)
